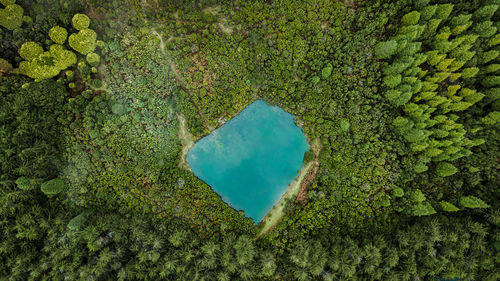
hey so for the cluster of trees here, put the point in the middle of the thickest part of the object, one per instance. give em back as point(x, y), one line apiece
point(438, 64)
point(90, 183)
point(427, 79)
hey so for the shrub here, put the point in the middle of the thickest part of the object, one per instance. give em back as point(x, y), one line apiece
point(53, 187)
point(11, 17)
point(448, 207)
point(485, 29)
point(93, 59)
point(80, 21)
point(384, 50)
point(443, 11)
point(472, 202)
point(77, 222)
point(423, 209)
point(398, 192)
point(469, 72)
point(445, 169)
point(491, 81)
point(30, 50)
point(411, 18)
point(308, 156)
point(84, 41)
point(25, 183)
point(63, 58)
point(58, 34)
point(344, 125)
point(485, 12)
point(392, 80)
point(428, 12)
point(326, 71)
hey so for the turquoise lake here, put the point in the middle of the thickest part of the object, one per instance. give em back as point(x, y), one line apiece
point(250, 160)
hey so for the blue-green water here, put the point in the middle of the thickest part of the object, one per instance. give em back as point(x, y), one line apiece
point(251, 159)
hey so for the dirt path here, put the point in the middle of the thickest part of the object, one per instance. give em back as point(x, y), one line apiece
point(295, 189)
point(276, 213)
point(186, 140)
point(179, 79)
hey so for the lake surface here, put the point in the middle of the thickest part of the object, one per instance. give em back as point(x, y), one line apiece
point(251, 159)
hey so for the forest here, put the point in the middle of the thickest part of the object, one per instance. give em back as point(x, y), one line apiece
point(400, 97)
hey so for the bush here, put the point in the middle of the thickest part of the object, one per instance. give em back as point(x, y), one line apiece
point(25, 183)
point(344, 125)
point(448, 207)
point(443, 11)
point(93, 59)
point(384, 50)
point(308, 156)
point(84, 41)
point(398, 192)
point(491, 81)
point(58, 34)
point(11, 17)
point(469, 72)
point(326, 71)
point(472, 202)
point(428, 12)
point(77, 222)
point(445, 169)
point(411, 18)
point(80, 21)
point(30, 50)
point(53, 187)
point(392, 81)
point(423, 209)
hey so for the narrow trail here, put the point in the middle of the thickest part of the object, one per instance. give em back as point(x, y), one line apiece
point(180, 80)
point(276, 213)
point(274, 216)
point(186, 140)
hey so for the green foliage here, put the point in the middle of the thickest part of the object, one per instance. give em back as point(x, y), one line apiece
point(443, 11)
point(53, 187)
point(384, 50)
point(7, 2)
point(11, 17)
point(448, 207)
point(423, 209)
point(344, 125)
point(77, 222)
point(492, 118)
point(398, 192)
point(472, 202)
point(47, 64)
point(153, 220)
point(30, 51)
point(93, 59)
point(411, 18)
point(308, 156)
point(326, 71)
point(80, 22)
point(428, 12)
point(485, 13)
point(58, 34)
point(84, 41)
point(25, 183)
point(445, 169)
point(469, 72)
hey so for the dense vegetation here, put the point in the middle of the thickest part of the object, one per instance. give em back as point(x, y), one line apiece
point(401, 99)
